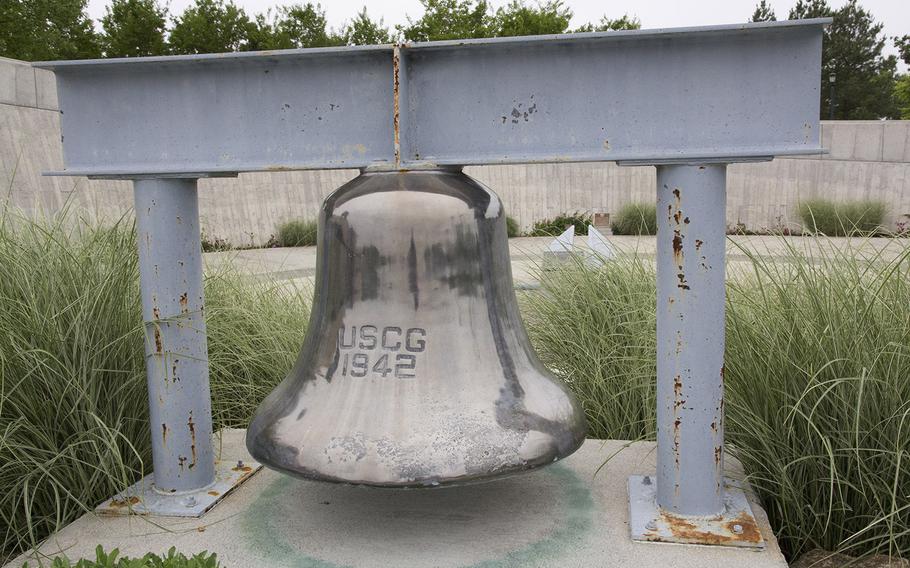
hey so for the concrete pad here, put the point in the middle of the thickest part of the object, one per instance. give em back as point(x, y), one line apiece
point(565, 515)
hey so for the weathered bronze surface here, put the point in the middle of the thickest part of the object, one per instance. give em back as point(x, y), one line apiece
point(416, 369)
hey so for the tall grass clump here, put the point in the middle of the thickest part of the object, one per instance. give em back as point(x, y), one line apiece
point(557, 225)
point(839, 219)
point(817, 381)
point(73, 399)
point(297, 233)
point(512, 228)
point(635, 218)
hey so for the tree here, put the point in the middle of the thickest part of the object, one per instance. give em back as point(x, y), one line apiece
point(450, 19)
point(763, 13)
point(301, 25)
point(852, 53)
point(212, 26)
point(903, 47)
point(36, 30)
point(625, 22)
point(519, 19)
point(133, 28)
point(364, 31)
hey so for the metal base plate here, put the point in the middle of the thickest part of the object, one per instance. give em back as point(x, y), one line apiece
point(736, 527)
point(142, 499)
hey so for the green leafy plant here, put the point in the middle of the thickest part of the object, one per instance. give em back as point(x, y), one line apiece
point(512, 228)
point(817, 367)
point(172, 559)
point(836, 219)
point(554, 227)
point(635, 219)
point(297, 233)
point(214, 244)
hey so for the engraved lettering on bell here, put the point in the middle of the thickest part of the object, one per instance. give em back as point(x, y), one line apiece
point(416, 369)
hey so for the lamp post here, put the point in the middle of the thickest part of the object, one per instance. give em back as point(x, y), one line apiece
point(831, 79)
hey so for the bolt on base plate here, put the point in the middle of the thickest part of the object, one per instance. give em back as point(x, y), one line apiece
point(735, 527)
point(142, 499)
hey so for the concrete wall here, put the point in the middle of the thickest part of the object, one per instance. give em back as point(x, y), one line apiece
point(866, 160)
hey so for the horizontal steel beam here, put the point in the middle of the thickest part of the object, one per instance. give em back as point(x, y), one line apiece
point(718, 93)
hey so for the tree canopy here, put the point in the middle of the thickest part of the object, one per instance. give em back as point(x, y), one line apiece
point(36, 30)
point(134, 28)
point(852, 53)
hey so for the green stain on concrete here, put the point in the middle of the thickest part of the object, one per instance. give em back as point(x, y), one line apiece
point(577, 506)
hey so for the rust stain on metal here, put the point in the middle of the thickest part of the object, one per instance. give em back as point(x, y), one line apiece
point(156, 313)
point(174, 376)
point(214, 493)
point(396, 116)
point(677, 248)
point(741, 529)
point(192, 427)
point(164, 434)
point(119, 503)
point(243, 468)
point(183, 303)
point(683, 284)
point(158, 347)
point(718, 452)
point(698, 243)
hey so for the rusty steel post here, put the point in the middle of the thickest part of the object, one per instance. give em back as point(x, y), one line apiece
point(691, 221)
point(170, 268)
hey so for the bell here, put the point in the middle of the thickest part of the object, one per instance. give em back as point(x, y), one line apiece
point(416, 370)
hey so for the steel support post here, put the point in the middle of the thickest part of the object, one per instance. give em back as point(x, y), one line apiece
point(176, 351)
point(185, 481)
point(691, 227)
point(690, 489)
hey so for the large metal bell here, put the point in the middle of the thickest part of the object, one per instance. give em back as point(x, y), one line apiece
point(416, 369)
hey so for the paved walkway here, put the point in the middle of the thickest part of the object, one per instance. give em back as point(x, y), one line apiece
point(527, 253)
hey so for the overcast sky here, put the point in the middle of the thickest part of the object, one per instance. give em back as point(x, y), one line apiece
point(895, 14)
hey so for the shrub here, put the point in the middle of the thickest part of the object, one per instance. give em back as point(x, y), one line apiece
point(842, 219)
point(555, 227)
point(73, 396)
point(297, 233)
point(635, 219)
point(173, 559)
point(214, 244)
point(512, 228)
point(817, 367)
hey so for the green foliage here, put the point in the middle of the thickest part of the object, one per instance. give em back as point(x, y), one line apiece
point(39, 30)
point(297, 233)
point(450, 19)
point(364, 31)
point(554, 227)
point(214, 244)
point(852, 53)
point(73, 397)
point(211, 26)
point(173, 559)
point(838, 219)
point(903, 47)
point(763, 13)
point(512, 228)
point(302, 25)
point(465, 19)
point(134, 28)
point(817, 396)
point(635, 219)
point(519, 19)
point(902, 96)
point(605, 24)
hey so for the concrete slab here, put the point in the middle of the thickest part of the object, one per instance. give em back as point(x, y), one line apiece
point(565, 515)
